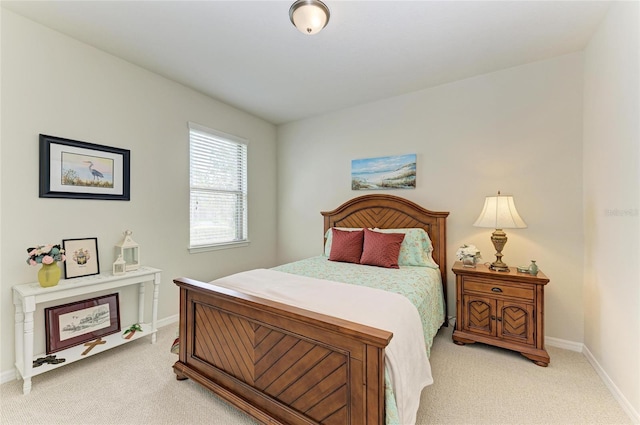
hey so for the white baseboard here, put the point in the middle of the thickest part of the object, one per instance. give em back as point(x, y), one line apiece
point(168, 320)
point(564, 344)
point(7, 376)
point(622, 400)
point(10, 375)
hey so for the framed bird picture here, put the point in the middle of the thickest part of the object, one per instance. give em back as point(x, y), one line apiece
point(81, 170)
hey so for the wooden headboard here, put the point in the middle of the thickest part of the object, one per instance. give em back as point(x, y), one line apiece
point(393, 212)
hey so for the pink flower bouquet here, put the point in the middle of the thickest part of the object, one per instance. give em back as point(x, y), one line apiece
point(45, 254)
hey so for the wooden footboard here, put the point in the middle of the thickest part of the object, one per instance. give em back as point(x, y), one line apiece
point(278, 363)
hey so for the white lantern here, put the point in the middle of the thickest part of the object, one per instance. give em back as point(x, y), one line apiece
point(129, 250)
point(119, 266)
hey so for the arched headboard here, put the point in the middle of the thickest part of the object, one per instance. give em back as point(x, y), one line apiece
point(393, 212)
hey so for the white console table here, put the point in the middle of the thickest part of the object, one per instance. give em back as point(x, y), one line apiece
point(27, 296)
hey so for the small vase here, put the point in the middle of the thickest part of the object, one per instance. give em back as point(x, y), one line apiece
point(468, 261)
point(49, 275)
point(533, 268)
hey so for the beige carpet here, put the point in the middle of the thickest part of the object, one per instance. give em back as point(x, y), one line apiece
point(475, 384)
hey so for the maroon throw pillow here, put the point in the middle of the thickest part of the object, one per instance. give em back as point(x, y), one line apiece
point(381, 249)
point(346, 246)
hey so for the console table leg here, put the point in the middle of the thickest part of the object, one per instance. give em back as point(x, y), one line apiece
point(141, 302)
point(26, 386)
point(154, 308)
point(27, 359)
point(18, 334)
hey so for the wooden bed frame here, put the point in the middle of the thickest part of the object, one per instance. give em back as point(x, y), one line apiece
point(285, 365)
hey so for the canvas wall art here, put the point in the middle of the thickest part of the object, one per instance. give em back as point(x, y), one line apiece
point(387, 172)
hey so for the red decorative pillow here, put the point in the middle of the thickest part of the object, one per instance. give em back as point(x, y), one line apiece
point(381, 249)
point(346, 246)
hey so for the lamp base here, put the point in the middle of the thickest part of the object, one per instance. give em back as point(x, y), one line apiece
point(499, 239)
point(499, 267)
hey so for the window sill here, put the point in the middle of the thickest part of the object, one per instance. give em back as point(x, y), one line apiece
point(217, 247)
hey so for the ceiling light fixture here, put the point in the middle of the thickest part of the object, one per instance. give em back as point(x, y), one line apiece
point(309, 16)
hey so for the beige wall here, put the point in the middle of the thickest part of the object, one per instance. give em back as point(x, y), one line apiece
point(518, 130)
point(612, 201)
point(54, 85)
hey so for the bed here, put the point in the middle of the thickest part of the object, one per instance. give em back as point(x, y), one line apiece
point(240, 345)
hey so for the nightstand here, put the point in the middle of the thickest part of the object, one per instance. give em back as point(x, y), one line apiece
point(504, 309)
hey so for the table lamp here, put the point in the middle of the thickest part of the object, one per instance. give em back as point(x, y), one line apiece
point(499, 213)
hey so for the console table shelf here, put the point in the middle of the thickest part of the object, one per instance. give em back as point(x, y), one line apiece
point(26, 298)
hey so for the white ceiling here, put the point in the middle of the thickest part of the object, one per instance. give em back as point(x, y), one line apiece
point(249, 55)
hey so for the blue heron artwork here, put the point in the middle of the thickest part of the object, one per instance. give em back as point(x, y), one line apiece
point(86, 170)
point(387, 172)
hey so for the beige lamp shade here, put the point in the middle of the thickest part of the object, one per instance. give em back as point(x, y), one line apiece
point(309, 16)
point(500, 212)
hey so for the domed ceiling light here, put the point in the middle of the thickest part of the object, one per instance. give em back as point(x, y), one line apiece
point(309, 16)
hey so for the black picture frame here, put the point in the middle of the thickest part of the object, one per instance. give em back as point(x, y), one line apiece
point(81, 257)
point(78, 322)
point(80, 170)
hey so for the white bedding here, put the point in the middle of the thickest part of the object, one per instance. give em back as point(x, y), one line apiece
point(406, 358)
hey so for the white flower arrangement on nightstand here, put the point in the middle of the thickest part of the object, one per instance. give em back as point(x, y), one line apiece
point(468, 254)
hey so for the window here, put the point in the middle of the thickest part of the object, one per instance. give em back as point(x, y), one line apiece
point(218, 189)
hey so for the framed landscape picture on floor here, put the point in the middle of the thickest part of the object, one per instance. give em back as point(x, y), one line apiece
point(75, 323)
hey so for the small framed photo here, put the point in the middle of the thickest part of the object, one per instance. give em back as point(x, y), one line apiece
point(81, 170)
point(82, 257)
point(75, 323)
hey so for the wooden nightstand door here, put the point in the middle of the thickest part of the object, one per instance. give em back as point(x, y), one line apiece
point(503, 319)
point(480, 313)
point(515, 322)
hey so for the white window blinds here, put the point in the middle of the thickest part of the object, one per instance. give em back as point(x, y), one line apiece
point(218, 188)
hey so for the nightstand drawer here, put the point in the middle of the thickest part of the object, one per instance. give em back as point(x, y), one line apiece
point(525, 292)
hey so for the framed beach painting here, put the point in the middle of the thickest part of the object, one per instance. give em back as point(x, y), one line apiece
point(81, 170)
point(387, 172)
